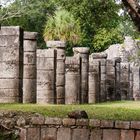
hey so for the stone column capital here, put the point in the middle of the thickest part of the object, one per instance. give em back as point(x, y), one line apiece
point(56, 44)
point(82, 50)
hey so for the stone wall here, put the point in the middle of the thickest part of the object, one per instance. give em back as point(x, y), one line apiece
point(33, 126)
point(41, 128)
point(37, 127)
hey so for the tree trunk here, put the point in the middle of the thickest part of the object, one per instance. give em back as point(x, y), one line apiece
point(133, 8)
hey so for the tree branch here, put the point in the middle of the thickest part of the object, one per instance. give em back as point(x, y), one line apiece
point(133, 8)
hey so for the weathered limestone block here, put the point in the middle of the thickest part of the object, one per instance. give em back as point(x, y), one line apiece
point(110, 80)
point(125, 81)
point(127, 135)
point(101, 58)
point(48, 133)
point(136, 83)
point(72, 86)
point(11, 61)
point(46, 76)
point(33, 133)
point(110, 134)
point(96, 134)
point(83, 54)
point(29, 74)
point(59, 46)
point(81, 134)
point(93, 85)
point(9, 53)
point(64, 134)
point(117, 78)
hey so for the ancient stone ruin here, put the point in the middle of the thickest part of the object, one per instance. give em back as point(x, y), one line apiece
point(48, 76)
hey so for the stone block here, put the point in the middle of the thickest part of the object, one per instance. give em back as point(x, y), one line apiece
point(135, 124)
point(29, 85)
point(45, 85)
point(29, 71)
point(69, 122)
point(80, 134)
point(137, 136)
point(9, 54)
point(45, 96)
point(60, 54)
point(56, 44)
point(60, 68)
point(8, 99)
point(39, 120)
point(122, 124)
point(29, 58)
point(46, 53)
point(94, 123)
point(72, 88)
point(33, 133)
point(64, 134)
point(30, 45)
point(23, 133)
point(45, 76)
point(9, 69)
point(30, 35)
point(82, 122)
point(110, 134)
point(48, 133)
point(60, 79)
point(9, 93)
point(60, 91)
point(55, 121)
point(45, 63)
point(127, 135)
point(107, 124)
point(10, 30)
point(9, 41)
point(9, 83)
point(96, 134)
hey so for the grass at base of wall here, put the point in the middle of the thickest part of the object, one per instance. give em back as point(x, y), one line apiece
point(121, 110)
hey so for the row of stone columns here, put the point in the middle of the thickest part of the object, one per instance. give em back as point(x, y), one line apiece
point(58, 79)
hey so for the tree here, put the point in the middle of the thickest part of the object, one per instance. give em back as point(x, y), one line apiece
point(31, 18)
point(133, 8)
point(93, 15)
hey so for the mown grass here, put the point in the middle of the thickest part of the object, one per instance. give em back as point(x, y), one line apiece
point(122, 110)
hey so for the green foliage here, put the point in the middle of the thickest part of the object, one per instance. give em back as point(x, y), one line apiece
point(33, 16)
point(8, 136)
point(105, 37)
point(92, 15)
point(62, 26)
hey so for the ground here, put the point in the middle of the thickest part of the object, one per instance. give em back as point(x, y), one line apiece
point(122, 110)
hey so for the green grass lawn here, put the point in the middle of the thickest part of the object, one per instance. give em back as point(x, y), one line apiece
point(122, 110)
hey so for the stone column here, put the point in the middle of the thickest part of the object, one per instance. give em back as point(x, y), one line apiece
point(131, 85)
point(101, 58)
point(110, 80)
point(72, 87)
point(46, 76)
point(83, 53)
point(136, 83)
point(117, 78)
point(11, 64)
point(29, 74)
point(94, 83)
point(124, 82)
point(59, 46)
